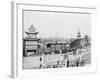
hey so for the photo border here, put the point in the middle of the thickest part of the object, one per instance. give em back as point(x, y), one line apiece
point(16, 71)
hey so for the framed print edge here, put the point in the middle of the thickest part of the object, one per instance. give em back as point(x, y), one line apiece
point(14, 43)
point(16, 39)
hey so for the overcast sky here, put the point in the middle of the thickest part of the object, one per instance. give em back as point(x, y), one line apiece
point(52, 24)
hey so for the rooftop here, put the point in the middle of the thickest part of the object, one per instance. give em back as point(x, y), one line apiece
point(31, 30)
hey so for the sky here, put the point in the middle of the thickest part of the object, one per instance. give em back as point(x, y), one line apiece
point(53, 24)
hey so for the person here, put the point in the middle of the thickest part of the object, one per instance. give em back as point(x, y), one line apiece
point(40, 66)
point(68, 63)
point(82, 62)
point(40, 59)
point(77, 63)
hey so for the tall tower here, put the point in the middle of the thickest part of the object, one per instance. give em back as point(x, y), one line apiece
point(78, 34)
point(31, 41)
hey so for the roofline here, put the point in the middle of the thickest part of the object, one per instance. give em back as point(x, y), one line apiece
point(31, 32)
point(31, 39)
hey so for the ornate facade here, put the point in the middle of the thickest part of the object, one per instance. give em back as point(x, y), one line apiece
point(30, 43)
